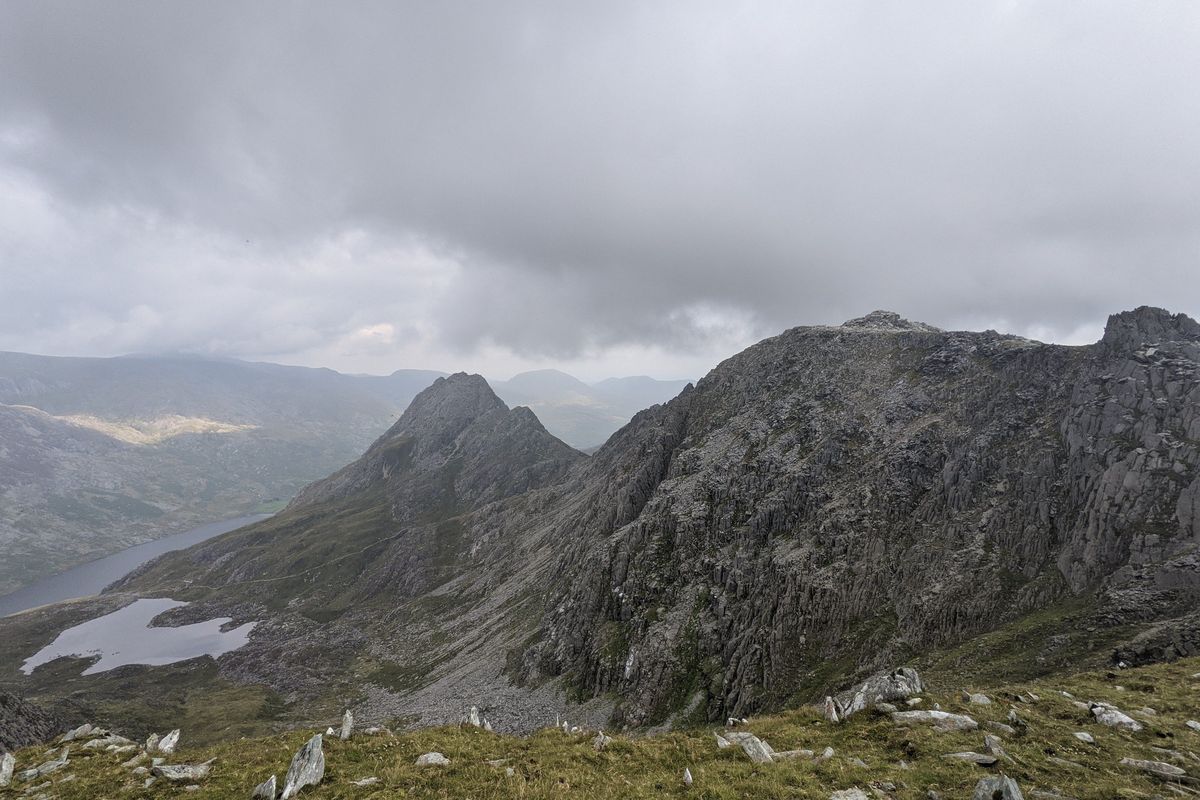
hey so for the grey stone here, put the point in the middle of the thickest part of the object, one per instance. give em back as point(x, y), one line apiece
point(1062, 762)
point(993, 745)
point(1193, 724)
point(362, 783)
point(830, 711)
point(1084, 737)
point(433, 759)
point(886, 687)
point(7, 765)
point(168, 743)
point(1000, 727)
point(82, 730)
point(178, 773)
point(976, 698)
point(942, 720)
point(997, 787)
point(789, 755)
point(152, 742)
point(722, 742)
point(601, 741)
point(54, 765)
point(1113, 717)
point(826, 754)
point(265, 790)
point(307, 768)
point(758, 751)
point(106, 741)
point(849, 794)
point(687, 777)
point(347, 725)
point(1159, 769)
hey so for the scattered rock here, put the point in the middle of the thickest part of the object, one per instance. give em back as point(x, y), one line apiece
point(1113, 717)
point(330, 732)
point(7, 764)
point(722, 742)
point(759, 751)
point(885, 708)
point(981, 759)
point(106, 741)
point(133, 762)
point(831, 714)
point(1062, 762)
point(432, 760)
point(362, 783)
point(148, 782)
point(789, 755)
point(347, 725)
point(887, 687)
point(976, 699)
point(118, 749)
point(82, 730)
point(913, 702)
point(152, 743)
point(849, 794)
point(1084, 737)
point(265, 790)
point(177, 773)
point(1193, 724)
point(307, 768)
point(141, 771)
point(826, 754)
point(1000, 727)
point(999, 787)
point(993, 745)
point(941, 720)
point(858, 762)
point(54, 765)
point(168, 743)
point(1147, 711)
point(1158, 769)
point(687, 777)
point(601, 741)
point(473, 717)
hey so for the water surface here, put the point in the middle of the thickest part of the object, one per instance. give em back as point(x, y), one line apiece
point(88, 579)
point(126, 637)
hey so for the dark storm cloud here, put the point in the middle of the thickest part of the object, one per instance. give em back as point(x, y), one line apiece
point(575, 176)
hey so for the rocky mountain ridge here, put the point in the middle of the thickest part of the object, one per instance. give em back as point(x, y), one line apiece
point(831, 501)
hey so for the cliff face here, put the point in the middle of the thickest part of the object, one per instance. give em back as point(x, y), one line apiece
point(852, 495)
point(830, 501)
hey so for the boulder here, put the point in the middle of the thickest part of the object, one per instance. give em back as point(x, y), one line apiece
point(265, 790)
point(999, 787)
point(178, 773)
point(347, 725)
point(152, 743)
point(831, 714)
point(307, 768)
point(168, 743)
point(976, 699)
point(942, 720)
point(886, 687)
point(849, 794)
point(1158, 769)
point(826, 754)
point(993, 745)
point(722, 742)
point(759, 751)
point(434, 759)
point(1000, 727)
point(1084, 737)
point(82, 730)
point(1113, 717)
point(7, 764)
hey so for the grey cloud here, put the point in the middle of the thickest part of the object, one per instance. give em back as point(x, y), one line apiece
point(609, 174)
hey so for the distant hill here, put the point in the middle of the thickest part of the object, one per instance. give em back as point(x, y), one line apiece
point(584, 415)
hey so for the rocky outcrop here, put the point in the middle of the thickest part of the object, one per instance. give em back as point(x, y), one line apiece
point(307, 768)
point(22, 723)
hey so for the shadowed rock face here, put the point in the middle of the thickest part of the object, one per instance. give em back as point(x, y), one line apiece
point(831, 496)
point(23, 723)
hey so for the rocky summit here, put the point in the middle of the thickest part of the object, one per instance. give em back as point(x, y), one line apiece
point(831, 503)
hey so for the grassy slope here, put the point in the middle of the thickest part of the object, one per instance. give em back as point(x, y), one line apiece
point(553, 764)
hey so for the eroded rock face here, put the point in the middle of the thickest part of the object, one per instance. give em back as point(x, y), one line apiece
point(23, 723)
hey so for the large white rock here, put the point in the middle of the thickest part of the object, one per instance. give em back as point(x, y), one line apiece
point(168, 743)
point(307, 768)
point(887, 687)
point(1113, 717)
point(7, 764)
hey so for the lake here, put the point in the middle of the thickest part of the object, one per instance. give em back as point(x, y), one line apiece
point(89, 579)
point(126, 637)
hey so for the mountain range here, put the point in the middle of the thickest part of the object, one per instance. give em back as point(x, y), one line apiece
point(830, 502)
point(100, 454)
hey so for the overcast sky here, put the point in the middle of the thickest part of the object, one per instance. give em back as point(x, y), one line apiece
point(608, 187)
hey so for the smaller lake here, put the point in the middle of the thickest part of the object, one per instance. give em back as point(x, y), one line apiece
point(126, 637)
point(91, 578)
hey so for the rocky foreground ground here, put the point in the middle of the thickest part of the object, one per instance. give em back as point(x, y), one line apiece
point(1129, 733)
